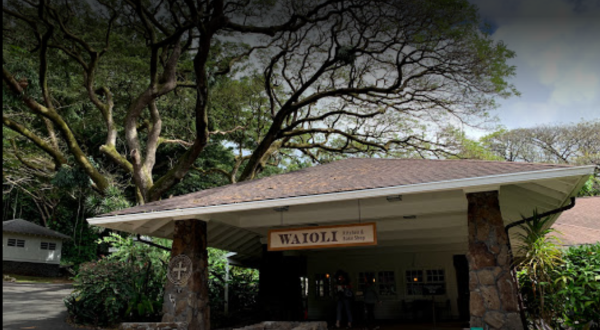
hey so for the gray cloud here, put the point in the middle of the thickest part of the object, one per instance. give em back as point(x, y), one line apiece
point(558, 59)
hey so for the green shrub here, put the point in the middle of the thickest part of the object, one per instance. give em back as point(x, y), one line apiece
point(571, 290)
point(578, 279)
point(243, 292)
point(126, 286)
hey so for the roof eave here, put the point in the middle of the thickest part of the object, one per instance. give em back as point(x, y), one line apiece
point(466, 183)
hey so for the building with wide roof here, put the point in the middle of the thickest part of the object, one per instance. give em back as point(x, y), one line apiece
point(434, 222)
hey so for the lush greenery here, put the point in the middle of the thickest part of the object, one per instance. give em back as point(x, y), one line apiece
point(243, 291)
point(561, 288)
point(128, 285)
point(139, 95)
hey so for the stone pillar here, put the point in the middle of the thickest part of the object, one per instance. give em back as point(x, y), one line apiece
point(186, 292)
point(493, 291)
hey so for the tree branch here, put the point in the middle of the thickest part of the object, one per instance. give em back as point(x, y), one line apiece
point(80, 157)
point(56, 155)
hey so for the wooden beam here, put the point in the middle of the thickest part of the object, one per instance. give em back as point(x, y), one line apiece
point(515, 208)
point(420, 241)
point(216, 232)
point(157, 225)
point(235, 247)
point(137, 224)
point(540, 189)
point(348, 211)
point(535, 198)
point(557, 185)
point(456, 231)
point(454, 248)
point(423, 222)
point(231, 236)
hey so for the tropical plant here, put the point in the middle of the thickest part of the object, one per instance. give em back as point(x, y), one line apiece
point(541, 255)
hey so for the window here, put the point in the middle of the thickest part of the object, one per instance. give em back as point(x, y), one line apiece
point(16, 242)
point(322, 285)
point(48, 246)
point(363, 277)
point(433, 283)
point(304, 286)
point(387, 283)
point(435, 276)
point(384, 281)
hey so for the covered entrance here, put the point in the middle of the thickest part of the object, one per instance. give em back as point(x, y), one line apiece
point(436, 221)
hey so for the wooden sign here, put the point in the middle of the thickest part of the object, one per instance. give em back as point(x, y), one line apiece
point(361, 234)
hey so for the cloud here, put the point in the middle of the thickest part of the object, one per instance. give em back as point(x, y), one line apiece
point(558, 66)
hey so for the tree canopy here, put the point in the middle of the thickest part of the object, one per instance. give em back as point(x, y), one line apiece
point(563, 144)
point(140, 93)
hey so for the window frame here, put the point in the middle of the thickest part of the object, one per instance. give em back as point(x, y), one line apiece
point(323, 286)
point(50, 246)
point(361, 277)
point(388, 283)
point(426, 276)
point(16, 243)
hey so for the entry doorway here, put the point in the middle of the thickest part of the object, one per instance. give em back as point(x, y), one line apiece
point(461, 266)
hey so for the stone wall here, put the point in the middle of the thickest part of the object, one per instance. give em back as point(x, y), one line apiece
point(493, 298)
point(153, 326)
point(30, 269)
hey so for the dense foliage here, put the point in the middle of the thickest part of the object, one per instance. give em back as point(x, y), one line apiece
point(139, 95)
point(560, 288)
point(242, 289)
point(128, 285)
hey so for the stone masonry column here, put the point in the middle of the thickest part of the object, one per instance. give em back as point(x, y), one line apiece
point(493, 298)
point(186, 291)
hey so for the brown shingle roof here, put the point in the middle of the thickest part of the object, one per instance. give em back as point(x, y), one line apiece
point(341, 176)
point(581, 224)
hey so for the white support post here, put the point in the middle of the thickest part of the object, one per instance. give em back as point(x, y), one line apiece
point(227, 288)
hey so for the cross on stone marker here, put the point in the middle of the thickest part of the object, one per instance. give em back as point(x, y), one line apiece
point(179, 270)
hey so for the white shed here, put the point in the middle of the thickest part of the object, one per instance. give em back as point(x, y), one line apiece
point(30, 249)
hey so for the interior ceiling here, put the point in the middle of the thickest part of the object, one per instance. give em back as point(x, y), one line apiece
point(417, 221)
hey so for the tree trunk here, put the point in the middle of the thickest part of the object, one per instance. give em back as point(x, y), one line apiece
point(186, 291)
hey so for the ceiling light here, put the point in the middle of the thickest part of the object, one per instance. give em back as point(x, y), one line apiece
point(395, 198)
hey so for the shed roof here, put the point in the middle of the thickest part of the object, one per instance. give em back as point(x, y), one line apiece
point(20, 226)
point(341, 176)
point(581, 224)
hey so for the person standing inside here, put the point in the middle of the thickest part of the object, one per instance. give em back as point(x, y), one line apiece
point(344, 296)
point(371, 298)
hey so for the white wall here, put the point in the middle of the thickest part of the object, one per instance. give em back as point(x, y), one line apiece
point(32, 252)
point(380, 260)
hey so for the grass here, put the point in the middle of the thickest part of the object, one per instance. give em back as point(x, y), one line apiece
point(36, 279)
